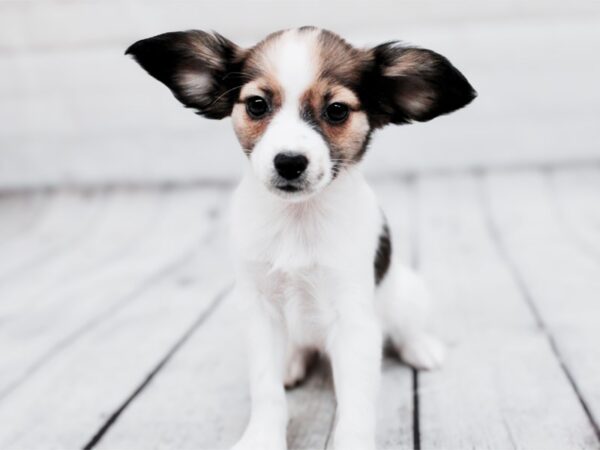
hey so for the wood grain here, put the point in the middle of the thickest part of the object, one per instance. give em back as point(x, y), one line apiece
point(493, 392)
point(114, 332)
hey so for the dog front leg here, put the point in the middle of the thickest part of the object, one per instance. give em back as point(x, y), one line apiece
point(266, 429)
point(354, 346)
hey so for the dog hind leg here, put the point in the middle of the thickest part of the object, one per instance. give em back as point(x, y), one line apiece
point(403, 304)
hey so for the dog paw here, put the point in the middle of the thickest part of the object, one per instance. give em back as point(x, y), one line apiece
point(423, 352)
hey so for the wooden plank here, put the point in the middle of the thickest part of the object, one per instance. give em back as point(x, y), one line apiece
point(311, 409)
point(65, 220)
point(558, 274)
point(200, 400)
point(575, 195)
point(502, 385)
point(65, 405)
point(91, 247)
point(395, 406)
point(51, 322)
point(18, 214)
point(395, 410)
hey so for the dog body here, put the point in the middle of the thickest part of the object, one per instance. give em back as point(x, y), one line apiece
point(317, 260)
point(314, 265)
point(301, 256)
point(306, 272)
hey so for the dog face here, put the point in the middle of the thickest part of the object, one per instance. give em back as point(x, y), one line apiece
point(303, 102)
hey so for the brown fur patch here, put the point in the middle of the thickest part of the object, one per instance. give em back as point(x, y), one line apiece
point(247, 130)
point(258, 71)
point(340, 61)
point(339, 71)
point(346, 140)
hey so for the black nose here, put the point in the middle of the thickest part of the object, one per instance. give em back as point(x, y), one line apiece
point(290, 165)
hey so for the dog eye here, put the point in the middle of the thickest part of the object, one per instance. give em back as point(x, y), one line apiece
point(336, 112)
point(256, 107)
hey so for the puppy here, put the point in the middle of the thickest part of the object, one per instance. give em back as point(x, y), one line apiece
point(313, 256)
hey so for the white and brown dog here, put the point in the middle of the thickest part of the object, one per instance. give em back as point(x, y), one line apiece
point(312, 248)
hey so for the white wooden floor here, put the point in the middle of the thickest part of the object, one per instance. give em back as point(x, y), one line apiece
point(116, 330)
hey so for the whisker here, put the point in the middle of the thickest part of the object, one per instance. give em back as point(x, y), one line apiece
point(345, 160)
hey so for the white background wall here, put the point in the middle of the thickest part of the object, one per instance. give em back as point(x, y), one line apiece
point(74, 109)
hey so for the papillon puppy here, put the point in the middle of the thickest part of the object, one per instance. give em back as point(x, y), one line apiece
point(313, 256)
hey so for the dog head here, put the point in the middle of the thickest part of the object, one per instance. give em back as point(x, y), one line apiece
point(303, 102)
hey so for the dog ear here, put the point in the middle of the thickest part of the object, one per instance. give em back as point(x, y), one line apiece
point(201, 69)
point(406, 83)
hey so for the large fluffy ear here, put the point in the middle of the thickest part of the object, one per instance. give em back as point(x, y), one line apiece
point(201, 69)
point(407, 83)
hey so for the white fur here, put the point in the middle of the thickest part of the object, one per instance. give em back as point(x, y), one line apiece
point(305, 277)
point(294, 65)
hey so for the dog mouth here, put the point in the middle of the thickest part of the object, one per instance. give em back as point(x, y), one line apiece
point(288, 187)
point(294, 189)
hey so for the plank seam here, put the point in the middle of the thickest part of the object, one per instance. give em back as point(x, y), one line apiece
point(70, 339)
point(416, 413)
point(331, 425)
point(227, 183)
point(521, 284)
point(412, 187)
point(159, 186)
point(112, 419)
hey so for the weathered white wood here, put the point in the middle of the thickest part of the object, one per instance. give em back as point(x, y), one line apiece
point(64, 405)
point(119, 223)
point(64, 222)
point(18, 214)
point(558, 271)
point(395, 404)
point(311, 408)
point(101, 314)
point(575, 194)
point(502, 386)
point(74, 305)
point(200, 400)
point(577, 200)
